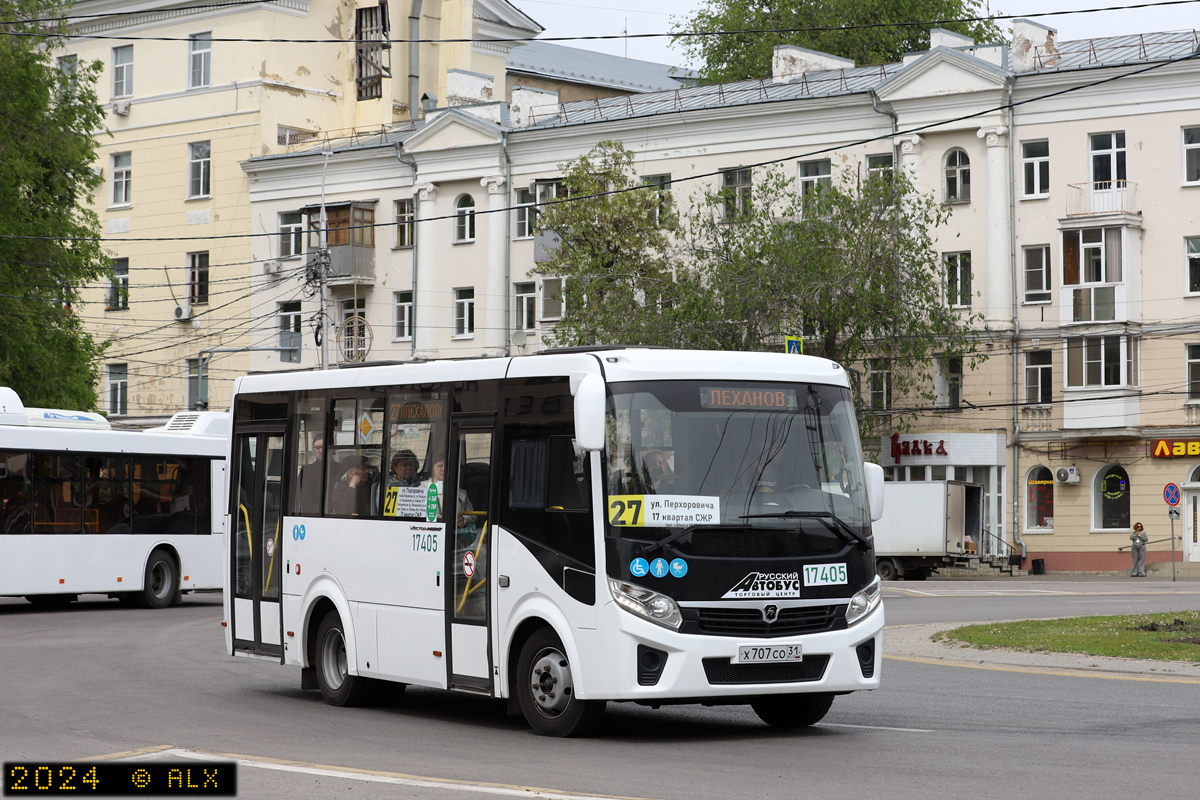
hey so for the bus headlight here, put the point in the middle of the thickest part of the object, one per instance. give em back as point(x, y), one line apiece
point(657, 608)
point(863, 602)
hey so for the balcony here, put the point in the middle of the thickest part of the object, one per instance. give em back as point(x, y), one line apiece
point(1101, 410)
point(1101, 197)
point(1037, 418)
point(351, 264)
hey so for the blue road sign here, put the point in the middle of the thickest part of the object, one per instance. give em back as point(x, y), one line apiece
point(793, 345)
point(1171, 494)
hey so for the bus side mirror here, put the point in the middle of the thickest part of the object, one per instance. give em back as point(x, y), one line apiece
point(589, 413)
point(874, 477)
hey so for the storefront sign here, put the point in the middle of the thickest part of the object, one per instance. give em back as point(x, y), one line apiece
point(917, 447)
point(1172, 448)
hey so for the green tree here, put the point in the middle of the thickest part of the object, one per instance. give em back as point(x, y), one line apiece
point(49, 246)
point(738, 56)
point(612, 250)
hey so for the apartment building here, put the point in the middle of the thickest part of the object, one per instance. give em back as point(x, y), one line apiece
point(191, 91)
point(1071, 170)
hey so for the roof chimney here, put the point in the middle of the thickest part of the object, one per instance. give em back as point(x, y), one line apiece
point(940, 37)
point(790, 62)
point(1034, 46)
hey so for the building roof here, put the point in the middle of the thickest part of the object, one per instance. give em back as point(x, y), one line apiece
point(547, 60)
point(1069, 55)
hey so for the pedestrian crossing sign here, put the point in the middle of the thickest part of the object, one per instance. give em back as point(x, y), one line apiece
point(793, 345)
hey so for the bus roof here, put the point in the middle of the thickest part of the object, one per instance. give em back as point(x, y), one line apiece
point(615, 364)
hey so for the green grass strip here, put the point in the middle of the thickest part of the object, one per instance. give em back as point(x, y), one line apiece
point(1173, 636)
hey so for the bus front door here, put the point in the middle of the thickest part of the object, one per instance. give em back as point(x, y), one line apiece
point(466, 511)
point(257, 569)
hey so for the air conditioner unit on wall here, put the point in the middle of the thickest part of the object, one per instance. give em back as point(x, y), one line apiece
point(1067, 475)
point(272, 266)
point(121, 107)
point(183, 313)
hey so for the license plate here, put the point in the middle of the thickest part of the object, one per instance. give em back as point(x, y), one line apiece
point(768, 653)
point(825, 575)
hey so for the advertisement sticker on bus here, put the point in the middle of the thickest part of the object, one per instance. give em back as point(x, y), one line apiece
point(663, 510)
point(765, 584)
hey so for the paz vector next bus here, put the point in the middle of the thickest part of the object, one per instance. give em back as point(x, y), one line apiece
point(559, 530)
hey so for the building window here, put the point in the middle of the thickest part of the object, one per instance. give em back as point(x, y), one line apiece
point(289, 332)
point(1108, 161)
point(958, 279)
point(947, 385)
point(197, 385)
point(464, 312)
point(199, 60)
point(464, 219)
point(526, 213)
point(68, 68)
point(525, 306)
point(122, 71)
point(118, 389)
point(662, 185)
point(736, 184)
point(879, 385)
point(1092, 260)
point(406, 222)
point(1039, 377)
point(547, 191)
point(1035, 164)
point(199, 169)
point(1192, 245)
point(552, 299)
point(371, 30)
point(880, 165)
point(1039, 504)
point(347, 225)
point(1193, 372)
point(814, 176)
point(122, 179)
point(404, 316)
point(118, 287)
point(1191, 155)
point(198, 278)
point(1037, 273)
point(291, 234)
point(1111, 492)
point(958, 176)
point(1094, 361)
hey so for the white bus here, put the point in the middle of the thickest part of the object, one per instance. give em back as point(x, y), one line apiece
point(85, 509)
point(560, 530)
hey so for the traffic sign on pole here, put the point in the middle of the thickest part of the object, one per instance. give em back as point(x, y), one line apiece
point(1171, 494)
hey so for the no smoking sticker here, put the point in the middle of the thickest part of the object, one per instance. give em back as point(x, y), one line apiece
point(469, 565)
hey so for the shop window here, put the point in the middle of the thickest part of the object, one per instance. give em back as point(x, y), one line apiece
point(1039, 504)
point(1112, 496)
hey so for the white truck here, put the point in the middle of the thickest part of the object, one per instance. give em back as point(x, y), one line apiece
point(925, 525)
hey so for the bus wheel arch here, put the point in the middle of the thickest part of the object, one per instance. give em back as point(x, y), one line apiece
point(333, 664)
point(162, 582)
point(544, 686)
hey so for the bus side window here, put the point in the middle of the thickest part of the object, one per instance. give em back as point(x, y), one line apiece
point(548, 495)
point(14, 493)
point(308, 456)
point(568, 487)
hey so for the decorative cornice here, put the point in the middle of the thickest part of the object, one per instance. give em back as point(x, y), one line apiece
point(152, 18)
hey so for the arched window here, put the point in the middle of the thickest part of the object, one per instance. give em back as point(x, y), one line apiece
point(464, 220)
point(958, 176)
point(1111, 492)
point(1039, 502)
point(1194, 475)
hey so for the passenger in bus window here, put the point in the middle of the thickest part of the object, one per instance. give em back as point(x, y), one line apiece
point(654, 467)
point(355, 495)
point(309, 491)
point(404, 469)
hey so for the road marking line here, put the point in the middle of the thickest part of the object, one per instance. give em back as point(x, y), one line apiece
point(159, 748)
point(872, 727)
point(1080, 673)
point(381, 776)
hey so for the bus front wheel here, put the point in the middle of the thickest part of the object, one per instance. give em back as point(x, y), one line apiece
point(792, 711)
point(162, 581)
point(546, 690)
point(338, 687)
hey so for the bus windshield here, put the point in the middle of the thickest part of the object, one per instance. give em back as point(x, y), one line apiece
point(714, 465)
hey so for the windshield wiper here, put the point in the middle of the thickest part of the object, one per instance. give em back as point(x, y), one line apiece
point(830, 520)
point(679, 534)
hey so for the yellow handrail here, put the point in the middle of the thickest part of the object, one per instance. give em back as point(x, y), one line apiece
point(249, 541)
point(271, 566)
point(467, 588)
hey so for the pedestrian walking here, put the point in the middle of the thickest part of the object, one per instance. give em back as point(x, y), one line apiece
point(1139, 539)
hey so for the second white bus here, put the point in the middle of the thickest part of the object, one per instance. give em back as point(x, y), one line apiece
point(560, 530)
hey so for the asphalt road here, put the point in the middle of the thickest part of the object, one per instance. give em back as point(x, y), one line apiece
point(96, 680)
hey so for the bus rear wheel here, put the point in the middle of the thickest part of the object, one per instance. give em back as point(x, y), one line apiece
point(338, 687)
point(791, 711)
point(546, 690)
point(162, 581)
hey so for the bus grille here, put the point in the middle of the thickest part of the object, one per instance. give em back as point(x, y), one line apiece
point(749, 621)
point(723, 670)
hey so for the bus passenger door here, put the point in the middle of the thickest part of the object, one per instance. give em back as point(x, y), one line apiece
point(466, 507)
point(257, 548)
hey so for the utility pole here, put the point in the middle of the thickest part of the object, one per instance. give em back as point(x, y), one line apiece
point(323, 266)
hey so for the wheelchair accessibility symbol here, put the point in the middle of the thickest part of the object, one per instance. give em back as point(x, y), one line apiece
point(297, 532)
